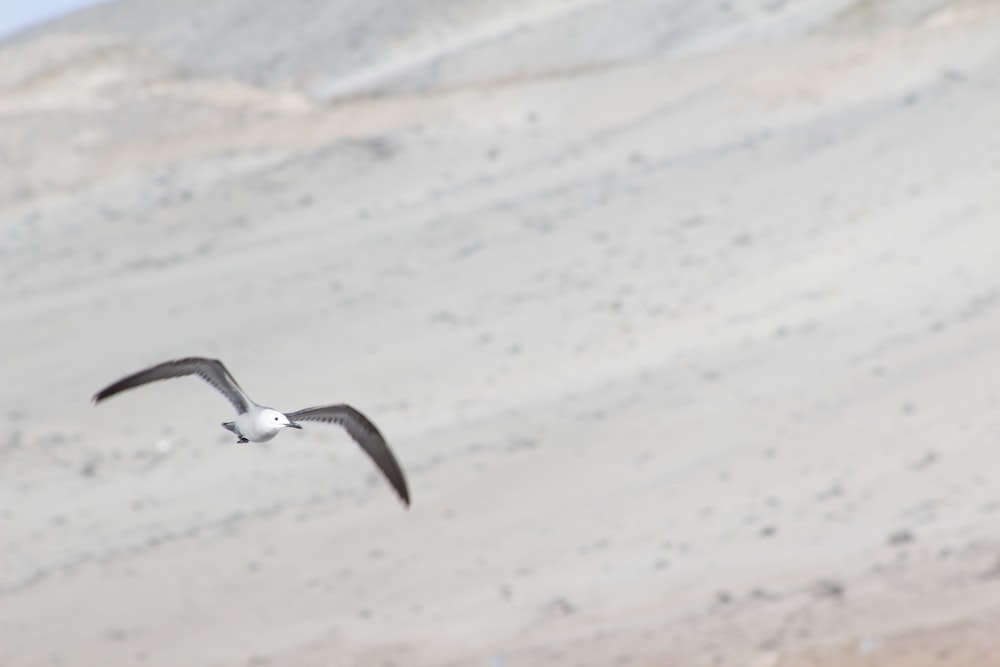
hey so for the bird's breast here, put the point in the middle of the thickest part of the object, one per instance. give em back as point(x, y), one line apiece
point(254, 430)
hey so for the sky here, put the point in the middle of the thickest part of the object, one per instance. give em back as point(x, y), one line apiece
point(18, 14)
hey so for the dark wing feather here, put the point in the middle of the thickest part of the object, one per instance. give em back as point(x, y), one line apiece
point(210, 370)
point(365, 434)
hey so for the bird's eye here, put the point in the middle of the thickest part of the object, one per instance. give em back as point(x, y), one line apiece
point(275, 419)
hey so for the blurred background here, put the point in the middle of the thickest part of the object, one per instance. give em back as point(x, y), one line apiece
point(682, 319)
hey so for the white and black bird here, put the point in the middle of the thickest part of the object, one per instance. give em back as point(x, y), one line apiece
point(256, 423)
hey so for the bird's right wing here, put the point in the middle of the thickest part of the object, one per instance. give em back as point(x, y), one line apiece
point(210, 370)
point(365, 434)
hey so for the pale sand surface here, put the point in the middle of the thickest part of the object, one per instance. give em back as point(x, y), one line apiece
point(683, 319)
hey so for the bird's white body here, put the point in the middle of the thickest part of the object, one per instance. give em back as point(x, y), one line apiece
point(260, 424)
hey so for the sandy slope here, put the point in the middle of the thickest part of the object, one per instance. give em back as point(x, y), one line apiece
point(682, 321)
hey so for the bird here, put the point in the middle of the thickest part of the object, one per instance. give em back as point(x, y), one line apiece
point(257, 423)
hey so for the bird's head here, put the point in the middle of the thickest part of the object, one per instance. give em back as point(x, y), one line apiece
point(277, 420)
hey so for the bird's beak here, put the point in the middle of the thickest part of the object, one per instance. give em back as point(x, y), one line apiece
point(294, 425)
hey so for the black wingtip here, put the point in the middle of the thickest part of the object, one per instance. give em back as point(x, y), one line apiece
point(402, 490)
point(399, 485)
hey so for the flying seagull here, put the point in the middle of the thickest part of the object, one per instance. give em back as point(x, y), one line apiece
point(256, 423)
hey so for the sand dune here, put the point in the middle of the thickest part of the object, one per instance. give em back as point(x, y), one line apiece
point(680, 319)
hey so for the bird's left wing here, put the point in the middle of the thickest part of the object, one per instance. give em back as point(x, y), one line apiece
point(210, 370)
